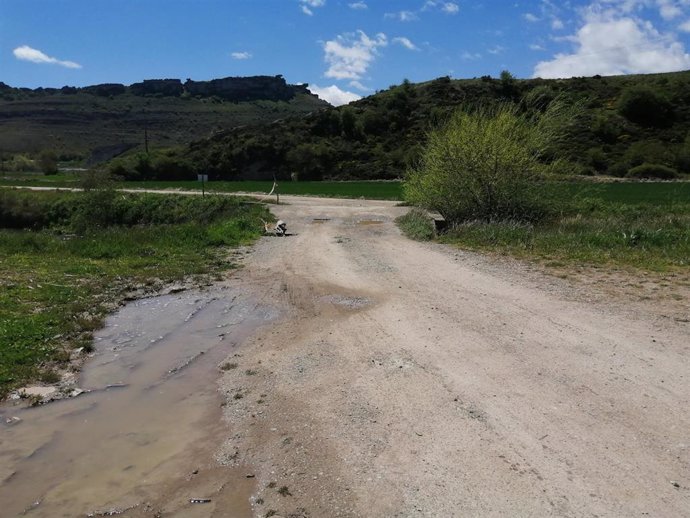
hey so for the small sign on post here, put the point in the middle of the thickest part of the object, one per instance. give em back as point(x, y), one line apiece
point(203, 178)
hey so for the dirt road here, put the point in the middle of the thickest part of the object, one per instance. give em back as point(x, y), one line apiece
point(411, 379)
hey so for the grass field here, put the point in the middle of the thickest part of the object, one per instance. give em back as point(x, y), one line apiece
point(639, 225)
point(618, 192)
point(56, 286)
point(370, 190)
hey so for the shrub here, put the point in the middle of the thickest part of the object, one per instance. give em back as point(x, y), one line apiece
point(619, 169)
point(486, 165)
point(657, 171)
point(649, 151)
point(645, 106)
point(47, 162)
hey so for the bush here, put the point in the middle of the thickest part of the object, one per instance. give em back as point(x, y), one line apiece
point(619, 169)
point(644, 106)
point(657, 171)
point(485, 165)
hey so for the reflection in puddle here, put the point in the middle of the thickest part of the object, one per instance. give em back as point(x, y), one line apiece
point(146, 422)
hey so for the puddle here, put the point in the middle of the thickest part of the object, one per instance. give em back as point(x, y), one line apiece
point(149, 420)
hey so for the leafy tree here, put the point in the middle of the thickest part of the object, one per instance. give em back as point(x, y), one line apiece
point(47, 162)
point(485, 164)
point(508, 85)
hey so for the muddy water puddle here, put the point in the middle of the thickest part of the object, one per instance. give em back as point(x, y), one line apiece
point(141, 439)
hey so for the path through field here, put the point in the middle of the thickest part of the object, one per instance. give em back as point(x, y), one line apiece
point(415, 380)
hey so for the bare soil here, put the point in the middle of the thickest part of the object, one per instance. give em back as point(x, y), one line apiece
point(412, 379)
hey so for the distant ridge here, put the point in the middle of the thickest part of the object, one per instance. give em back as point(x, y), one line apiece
point(90, 122)
point(251, 88)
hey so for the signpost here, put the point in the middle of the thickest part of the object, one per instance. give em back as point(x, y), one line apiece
point(203, 178)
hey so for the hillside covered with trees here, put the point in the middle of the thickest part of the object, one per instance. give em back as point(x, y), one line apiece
point(624, 122)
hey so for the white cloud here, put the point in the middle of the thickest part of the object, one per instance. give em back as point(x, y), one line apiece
point(405, 42)
point(403, 16)
point(531, 17)
point(446, 7)
point(668, 9)
point(241, 55)
point(556, 24)
point(610, 45)
point(26, 53)
point(359, 86)
point(536, 46)
point(450, 8)
point(470, 56)
point(685, 27)
point(358, 5)
point(308, 5)
point(350, 55)
point(495, 50)
point(334, 95)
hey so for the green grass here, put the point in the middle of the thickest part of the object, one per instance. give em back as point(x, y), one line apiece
point(370, 190)
point(606, 227)
point(56, 287)
point(417, 225)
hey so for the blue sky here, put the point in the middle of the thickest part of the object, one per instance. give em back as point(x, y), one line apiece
point(344, 49)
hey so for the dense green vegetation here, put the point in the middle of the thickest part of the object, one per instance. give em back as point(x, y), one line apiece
point(626, 121)
point(66, 259)
point(644, 226)
point(485, 164)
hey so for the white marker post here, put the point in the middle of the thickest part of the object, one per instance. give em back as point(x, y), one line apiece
point(202, 178)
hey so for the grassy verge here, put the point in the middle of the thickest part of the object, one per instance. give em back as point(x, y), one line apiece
point(643, 226)
point(56, 286)
point(417, 225)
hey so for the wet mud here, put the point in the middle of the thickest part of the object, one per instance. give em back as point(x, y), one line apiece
point(140, 440)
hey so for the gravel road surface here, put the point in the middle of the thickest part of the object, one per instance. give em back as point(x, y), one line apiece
point(412, 379)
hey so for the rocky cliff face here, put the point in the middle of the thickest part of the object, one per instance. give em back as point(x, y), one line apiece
point(238, 89)
point(272, 88)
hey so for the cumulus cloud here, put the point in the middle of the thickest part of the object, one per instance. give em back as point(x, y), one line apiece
point(350, 55)
point(358, 6)
point(308, 5)
point(685, 27)
point(405, 42)
point(450, 8)
point(334, 95)
point(26, 53)
point(241, 55)
point(531, 17)
point(610, 45)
